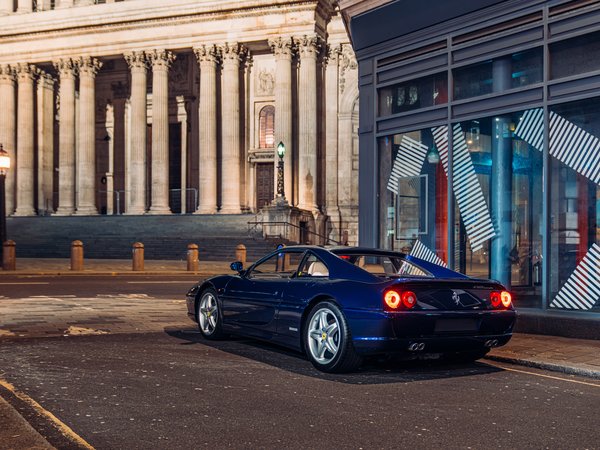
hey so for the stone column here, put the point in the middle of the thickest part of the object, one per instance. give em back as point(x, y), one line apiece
point(60, 4)
point(207, 110)
point(25, 6)
point(8, 129)
point(44, 5)
point(331, 137)
point(308, 48)
point(67, 69)
point(230, 169)
point(110, 180)
point(283, 50)
point(182, 118)
point(161, 61)
point(136, 175)
point(6, 7)
point(86, 162)
point(25, 136)
point(45, 144)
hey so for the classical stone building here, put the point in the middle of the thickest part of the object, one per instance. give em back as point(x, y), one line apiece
point(152, 108)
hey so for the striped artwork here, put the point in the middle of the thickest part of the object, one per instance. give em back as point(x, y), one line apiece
point(467, 189)
point(423, 252)
point(408, 163)
point(569, 143)
point(582, 289)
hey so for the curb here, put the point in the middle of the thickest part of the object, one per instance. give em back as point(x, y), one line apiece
point(569, 370)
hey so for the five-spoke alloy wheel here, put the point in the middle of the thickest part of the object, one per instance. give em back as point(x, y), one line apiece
point(209, 315)
point(327, 340)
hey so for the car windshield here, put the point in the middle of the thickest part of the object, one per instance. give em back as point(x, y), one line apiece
point(386, 265)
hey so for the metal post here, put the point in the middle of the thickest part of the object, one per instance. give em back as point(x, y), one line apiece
point(280, 186)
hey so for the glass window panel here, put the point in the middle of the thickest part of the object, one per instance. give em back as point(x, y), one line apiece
point(575, 56)
point(498, 209)
point(497, 75)
point(414, 94)
point(575, 206)
point(413, 196)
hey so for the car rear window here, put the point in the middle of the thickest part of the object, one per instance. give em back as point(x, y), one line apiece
point(386, 265)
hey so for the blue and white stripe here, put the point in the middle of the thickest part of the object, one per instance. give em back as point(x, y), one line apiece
point(582, 289)
point(568, 143)
point(467, 189)
point(421, 251)
point(408, 163)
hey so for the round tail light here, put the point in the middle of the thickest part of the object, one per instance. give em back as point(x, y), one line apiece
point(495, 299)
point(392, 299)
point(409, 299)
point(506, 299)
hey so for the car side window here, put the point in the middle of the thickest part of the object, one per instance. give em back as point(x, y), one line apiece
point(278, 266)
point(312, 266)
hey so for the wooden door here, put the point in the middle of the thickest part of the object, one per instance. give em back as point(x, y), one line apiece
point(265, 184)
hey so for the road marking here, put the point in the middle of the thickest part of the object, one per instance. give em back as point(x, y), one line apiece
point(26, 283)
point(160, 282)
point(63, 428)
point(544, 376)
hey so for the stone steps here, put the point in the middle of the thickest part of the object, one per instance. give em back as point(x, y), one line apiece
point(110, 237)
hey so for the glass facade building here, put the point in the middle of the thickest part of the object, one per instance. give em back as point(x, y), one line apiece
point(482, 144)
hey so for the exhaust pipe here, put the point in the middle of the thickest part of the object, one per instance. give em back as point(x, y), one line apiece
point(416, 346)
point(491, 343)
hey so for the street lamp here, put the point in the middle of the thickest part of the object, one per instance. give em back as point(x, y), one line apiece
point(280, 185)
point(4, 166)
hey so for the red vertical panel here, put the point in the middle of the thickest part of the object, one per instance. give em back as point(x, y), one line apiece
point(582, 217)
point(441, 213)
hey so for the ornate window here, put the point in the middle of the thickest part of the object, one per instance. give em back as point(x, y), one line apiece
point(266, 127)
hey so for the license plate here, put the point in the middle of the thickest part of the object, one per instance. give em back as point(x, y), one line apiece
point(446, 325)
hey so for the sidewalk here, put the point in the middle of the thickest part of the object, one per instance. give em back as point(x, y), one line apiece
point(61, 266)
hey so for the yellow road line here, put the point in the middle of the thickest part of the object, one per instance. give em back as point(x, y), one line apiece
point(543, 376)
point(62, 427)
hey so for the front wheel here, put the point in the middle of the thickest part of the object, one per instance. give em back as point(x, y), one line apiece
point(209, 315)
point(328, 341)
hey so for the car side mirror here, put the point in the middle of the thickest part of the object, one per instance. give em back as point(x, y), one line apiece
point(237, 266)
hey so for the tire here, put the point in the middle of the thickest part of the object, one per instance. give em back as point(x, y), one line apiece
point(328, 341)
point(210, 316)
point(465, 357)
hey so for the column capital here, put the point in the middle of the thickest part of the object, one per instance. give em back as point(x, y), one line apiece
point(25, 71)
point(137, 60)
point(45, 80)
point(282, 47)
point(89, 66)
point(160, 59)
point(7, 73)
point(66, 67)
point(332, 54)
point(308, 46)
point(232, 52)
point(207, 55)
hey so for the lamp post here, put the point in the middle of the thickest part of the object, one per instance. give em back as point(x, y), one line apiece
point(4, 166)
point(280, 185)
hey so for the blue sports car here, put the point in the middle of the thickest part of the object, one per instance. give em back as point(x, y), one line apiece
point(340, 304)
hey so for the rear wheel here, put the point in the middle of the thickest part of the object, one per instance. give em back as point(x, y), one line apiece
point(327, 340)
point(209, 315)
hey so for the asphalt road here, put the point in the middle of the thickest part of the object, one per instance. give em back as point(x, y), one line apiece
point(156, 384)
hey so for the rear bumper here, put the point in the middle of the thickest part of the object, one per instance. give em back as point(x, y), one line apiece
point(382, 332)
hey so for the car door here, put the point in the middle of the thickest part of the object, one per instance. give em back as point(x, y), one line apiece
point(251, 301)
point(310, 280)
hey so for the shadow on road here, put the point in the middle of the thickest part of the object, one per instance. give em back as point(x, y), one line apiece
point(373, 371)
